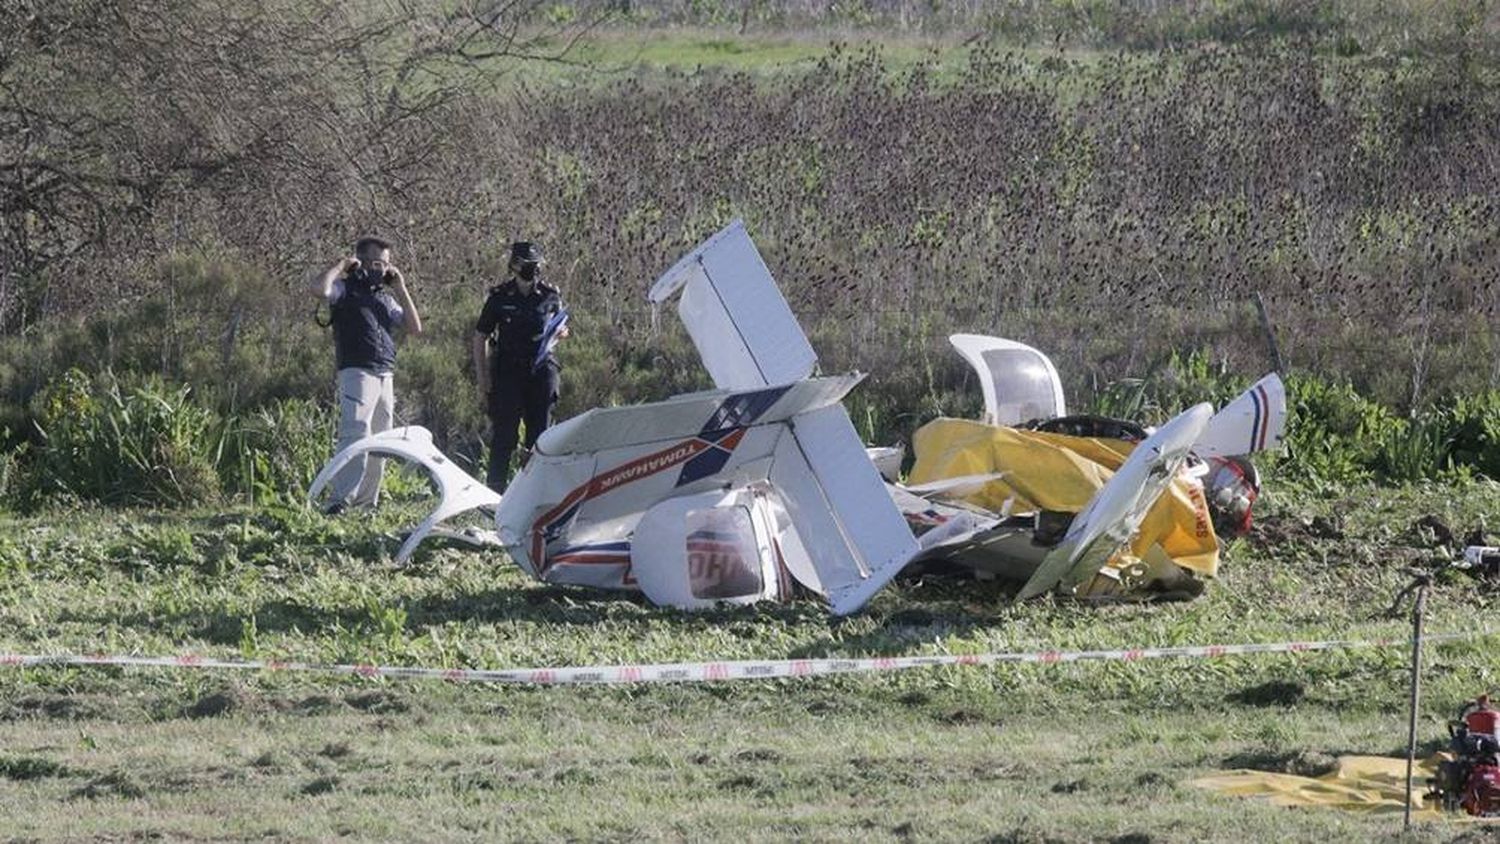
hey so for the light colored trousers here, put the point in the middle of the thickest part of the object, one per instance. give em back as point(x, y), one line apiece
point(367, 402)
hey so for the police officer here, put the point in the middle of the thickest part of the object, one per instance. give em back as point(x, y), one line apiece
point(523, 318)
point(368, 301)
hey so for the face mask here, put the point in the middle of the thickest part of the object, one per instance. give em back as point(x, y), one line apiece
point(527, 272)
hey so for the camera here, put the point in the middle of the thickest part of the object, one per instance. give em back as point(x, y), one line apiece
point(364, 277)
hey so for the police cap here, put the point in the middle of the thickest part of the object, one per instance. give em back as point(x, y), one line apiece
point(526, 252)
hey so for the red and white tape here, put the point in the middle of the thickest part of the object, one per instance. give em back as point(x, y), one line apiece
point(696, 672)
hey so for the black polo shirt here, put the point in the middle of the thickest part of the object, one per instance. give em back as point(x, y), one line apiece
point(514, 321)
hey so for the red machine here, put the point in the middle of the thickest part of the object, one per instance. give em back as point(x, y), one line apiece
point(1471, 780)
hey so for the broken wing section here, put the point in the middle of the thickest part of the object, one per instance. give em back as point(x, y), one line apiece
point(853, 539)
point(1116, 511)
point(745, 332)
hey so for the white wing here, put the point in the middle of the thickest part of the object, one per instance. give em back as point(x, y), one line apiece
point(1115, 512)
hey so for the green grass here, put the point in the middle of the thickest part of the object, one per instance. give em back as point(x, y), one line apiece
point(605, 54)
point(686, 50)
point(1073, 752)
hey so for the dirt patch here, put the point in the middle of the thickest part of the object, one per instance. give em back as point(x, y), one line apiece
point(321, 785)
point(915, 698)
point(75, 707)
point(1274, 693)
point(117, 784)
point(1302, 763)
point(1292, 530)
point(316, 705)
point(224, 702)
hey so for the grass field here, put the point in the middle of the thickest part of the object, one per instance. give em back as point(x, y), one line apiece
point(622, 177)
point(1065, 753)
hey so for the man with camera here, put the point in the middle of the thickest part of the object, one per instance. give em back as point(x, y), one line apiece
point(522, 320)
point(367, 299)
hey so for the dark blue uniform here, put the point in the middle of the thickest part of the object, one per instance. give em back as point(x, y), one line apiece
point(521, 387)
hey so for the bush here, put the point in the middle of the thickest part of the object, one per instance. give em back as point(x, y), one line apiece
point(273, 453)
point(1415, 450)
point(150, 444)
point(1334, 435)
point(1474, 425)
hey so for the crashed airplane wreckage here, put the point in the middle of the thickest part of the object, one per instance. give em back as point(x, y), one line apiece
point(733, 495)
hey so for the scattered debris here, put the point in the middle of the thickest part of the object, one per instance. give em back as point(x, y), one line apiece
point(1431, 532)
point(745, 492)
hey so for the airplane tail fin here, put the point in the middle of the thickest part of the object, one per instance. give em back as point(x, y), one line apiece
point(746, 334)
point(1253, 422)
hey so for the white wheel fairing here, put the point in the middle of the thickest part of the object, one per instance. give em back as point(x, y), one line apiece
point(458, 491)
point(699, 551)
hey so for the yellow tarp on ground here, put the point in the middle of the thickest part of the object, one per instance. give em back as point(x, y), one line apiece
point(1359, 783)
point(1061, 473)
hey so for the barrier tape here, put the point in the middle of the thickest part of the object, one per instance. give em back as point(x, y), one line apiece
point(695, 672)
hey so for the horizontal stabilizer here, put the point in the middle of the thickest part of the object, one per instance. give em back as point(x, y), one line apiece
point(605, 428)
point(850, 529)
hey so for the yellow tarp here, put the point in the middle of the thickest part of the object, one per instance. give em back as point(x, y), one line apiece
point(1061, 473)
point(1358, 783)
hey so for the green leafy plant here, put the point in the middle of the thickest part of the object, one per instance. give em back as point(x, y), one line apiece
point(146, 444)
point(1415, 450)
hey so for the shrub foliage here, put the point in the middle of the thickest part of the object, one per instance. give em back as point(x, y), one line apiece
point(1120, 210)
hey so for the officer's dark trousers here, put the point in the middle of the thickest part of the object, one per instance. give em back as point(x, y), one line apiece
point(517, 394)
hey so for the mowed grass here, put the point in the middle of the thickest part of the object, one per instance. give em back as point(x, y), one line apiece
point(1068, 753)
point(686, 49)
point(606, 54)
